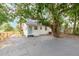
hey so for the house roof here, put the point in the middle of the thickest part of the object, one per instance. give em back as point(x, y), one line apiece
point(32, 22)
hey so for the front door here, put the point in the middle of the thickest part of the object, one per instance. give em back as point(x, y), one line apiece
point(30, 30)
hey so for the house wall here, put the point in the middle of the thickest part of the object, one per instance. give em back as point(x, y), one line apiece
point(40, 31)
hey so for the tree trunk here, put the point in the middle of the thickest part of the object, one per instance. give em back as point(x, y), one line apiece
point(55, 29)
point(21, 30)
point(74, 28)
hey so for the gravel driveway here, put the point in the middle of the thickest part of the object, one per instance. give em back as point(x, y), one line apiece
point(40, 46)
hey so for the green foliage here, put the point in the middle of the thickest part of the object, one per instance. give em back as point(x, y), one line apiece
point(3, 14)
point(44, 22)
point(6, 27)
point(22, 20)
point(46, 13)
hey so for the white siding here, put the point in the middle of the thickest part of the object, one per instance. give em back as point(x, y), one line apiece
point(40, 31)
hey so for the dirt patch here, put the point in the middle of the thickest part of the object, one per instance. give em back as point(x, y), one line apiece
point(69, 36)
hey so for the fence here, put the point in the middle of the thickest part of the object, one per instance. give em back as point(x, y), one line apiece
point(5, 35)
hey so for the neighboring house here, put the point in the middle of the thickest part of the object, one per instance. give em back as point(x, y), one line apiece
point(36, 29)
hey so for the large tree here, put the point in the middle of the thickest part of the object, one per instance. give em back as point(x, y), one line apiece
point(74, 16)
point(3, 14)
point(49, 14)
point(54, 14)
point(6, 13)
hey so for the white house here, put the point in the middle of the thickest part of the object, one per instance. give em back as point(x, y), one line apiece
point(36, 29)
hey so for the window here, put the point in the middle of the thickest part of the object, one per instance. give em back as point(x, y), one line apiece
point(41, 27)
point(30, 27)
point(35, 27)
point(45, 28)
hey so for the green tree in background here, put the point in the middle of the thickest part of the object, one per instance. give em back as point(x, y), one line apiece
point(49, 14)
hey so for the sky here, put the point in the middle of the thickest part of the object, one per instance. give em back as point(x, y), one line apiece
point(14, 23)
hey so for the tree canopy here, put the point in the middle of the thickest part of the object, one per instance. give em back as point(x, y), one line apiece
point(57, 16)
